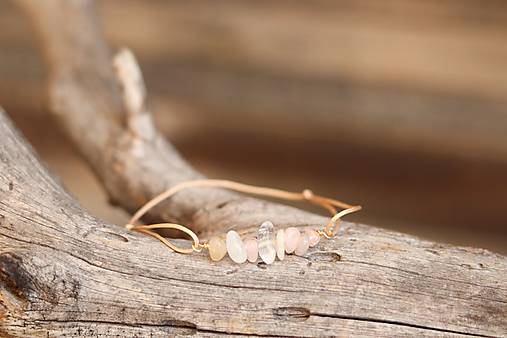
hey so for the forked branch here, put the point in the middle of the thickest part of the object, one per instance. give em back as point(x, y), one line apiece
point(63, 270)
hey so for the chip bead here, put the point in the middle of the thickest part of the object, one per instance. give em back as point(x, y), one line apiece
point(266, 244)
point(280, 244)
point(217, 248)
point(291, 239)
point(235, 247)
point(303, 245)
point(252, 251)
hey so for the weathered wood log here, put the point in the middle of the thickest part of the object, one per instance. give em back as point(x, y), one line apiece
point(133, 161)
point(212, 81)
point(63, 272)
point(127, 153)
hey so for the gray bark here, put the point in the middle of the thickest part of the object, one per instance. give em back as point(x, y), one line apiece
point(63, 272)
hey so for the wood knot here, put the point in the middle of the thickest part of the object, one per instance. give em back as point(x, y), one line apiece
point(107, 235)
point(113, 236)
point(14, 277)
point(262, 265)
point(23, 285)
point(187, 328)
point(324, 256)
point(292, 313)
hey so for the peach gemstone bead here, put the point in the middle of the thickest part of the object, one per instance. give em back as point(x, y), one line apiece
point(251, 250)
point(216, 248)
point(313, 237)
point(280, 244)
point(303, 245)
point(291, 239)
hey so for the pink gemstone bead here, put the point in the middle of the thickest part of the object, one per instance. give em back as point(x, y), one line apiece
point(291, 239)
point(313, 237)
point(252, 250)
point(303, 245)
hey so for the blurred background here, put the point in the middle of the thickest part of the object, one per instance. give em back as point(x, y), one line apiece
point(399, 105)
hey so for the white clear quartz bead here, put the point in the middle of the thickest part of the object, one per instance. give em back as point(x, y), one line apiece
point(235, 247)
point(267, 250)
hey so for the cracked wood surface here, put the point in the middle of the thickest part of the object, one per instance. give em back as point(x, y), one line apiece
point(63, 272)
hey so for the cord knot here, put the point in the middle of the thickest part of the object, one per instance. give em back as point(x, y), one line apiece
point(308, 194)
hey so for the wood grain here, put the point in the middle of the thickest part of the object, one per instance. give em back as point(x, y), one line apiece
point(62, 269)
point(64, 272)
point(217, 97)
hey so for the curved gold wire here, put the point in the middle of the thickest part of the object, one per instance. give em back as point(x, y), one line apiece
point(329, 231)
point(332, 227)
point(196, 246)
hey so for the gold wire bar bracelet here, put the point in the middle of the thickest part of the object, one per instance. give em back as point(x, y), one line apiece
point(265, 241)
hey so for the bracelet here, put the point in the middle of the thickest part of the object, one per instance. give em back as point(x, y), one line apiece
point(267, 245)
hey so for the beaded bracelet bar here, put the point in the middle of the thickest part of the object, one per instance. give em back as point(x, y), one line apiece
point(267, 245)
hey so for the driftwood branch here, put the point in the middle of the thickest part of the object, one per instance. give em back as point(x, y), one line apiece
point(134, 166)
point(64, 271)
point(85, 97)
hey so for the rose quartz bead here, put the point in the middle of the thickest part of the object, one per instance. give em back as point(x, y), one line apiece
point(252, 250)
point(291, 239)
point(303, 245)
point(313, 237)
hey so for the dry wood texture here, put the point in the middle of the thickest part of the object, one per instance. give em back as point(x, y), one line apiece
point(133, 161)
point(64, 272)
point(237, 84)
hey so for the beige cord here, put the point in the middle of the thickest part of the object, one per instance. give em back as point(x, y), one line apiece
point(306, 195)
